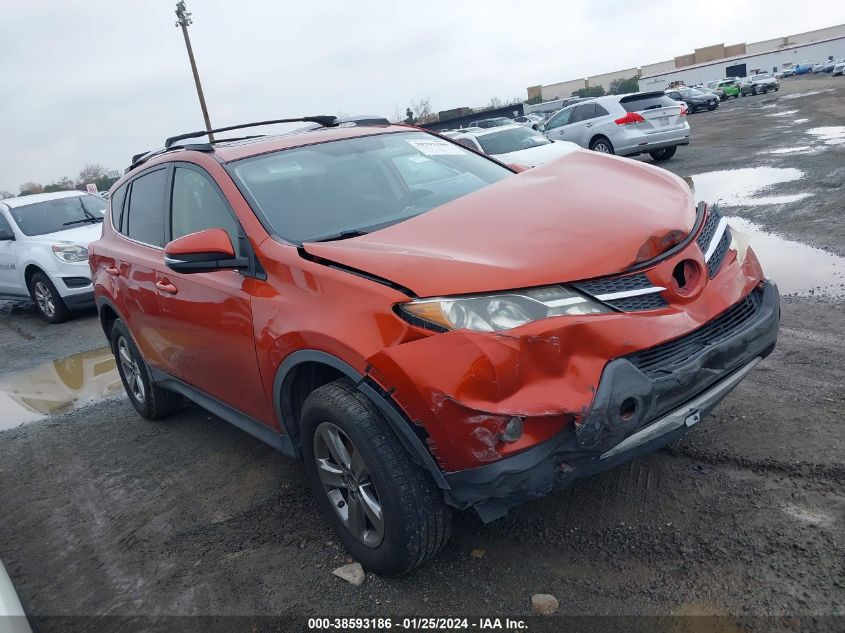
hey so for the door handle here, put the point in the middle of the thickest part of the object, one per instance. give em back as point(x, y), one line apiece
point(113, 271)
point(164, 286)
point(589, 125)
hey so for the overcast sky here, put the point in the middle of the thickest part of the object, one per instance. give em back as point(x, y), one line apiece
point(94, 81)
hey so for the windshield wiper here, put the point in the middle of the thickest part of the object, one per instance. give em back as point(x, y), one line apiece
point(343, 235)
point(80, 221)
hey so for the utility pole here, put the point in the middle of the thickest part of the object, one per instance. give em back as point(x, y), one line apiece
point(183, 20)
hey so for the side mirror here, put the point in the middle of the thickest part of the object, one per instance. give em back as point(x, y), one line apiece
point(540, 127)
point(6, 235)
point(202, 252)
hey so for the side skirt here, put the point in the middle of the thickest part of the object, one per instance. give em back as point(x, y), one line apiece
point(258, 430)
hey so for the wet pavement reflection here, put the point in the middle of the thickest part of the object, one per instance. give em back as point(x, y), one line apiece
point(742, 187)
point(797, 268)
point(57, 387)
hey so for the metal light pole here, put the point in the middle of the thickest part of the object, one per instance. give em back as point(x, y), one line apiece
point(183, 19)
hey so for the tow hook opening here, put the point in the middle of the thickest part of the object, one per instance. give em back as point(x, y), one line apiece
point(627, 409)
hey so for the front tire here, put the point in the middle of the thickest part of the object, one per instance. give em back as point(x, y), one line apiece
point(602, 145)
point(387, 512)
point(665, 153)
point(47, 299)
point(150, 401)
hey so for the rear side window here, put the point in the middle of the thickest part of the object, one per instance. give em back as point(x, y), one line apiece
point(198, 205)
point(647, 102)
point(584, 112)
point(146, 208)
point(116, 202)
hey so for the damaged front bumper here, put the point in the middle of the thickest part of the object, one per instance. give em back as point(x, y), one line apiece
point(639, 407)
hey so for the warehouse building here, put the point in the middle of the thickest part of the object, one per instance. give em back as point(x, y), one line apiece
point(713, 62)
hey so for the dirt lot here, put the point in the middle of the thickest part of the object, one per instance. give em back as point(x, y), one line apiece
point(105, 514)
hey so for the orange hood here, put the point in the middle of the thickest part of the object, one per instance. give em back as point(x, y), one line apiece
point(585, 215)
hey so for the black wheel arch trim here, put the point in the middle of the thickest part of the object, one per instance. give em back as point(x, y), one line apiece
point(103, 301)
point(391, 411)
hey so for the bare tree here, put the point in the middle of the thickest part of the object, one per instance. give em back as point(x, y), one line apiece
point(90, 173)
point(397, 114)
point(6, 194)
point(495, 102)
point(422, 108)
point(62, 184)
point(30, 187)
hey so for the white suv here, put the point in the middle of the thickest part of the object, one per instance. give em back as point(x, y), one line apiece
point(44, 250)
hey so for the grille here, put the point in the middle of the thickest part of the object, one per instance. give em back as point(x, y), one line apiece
point(665, 357)
point(614, 284)
point(642, 302)
point(598, 287)
point(719, 254)
point(709, 229)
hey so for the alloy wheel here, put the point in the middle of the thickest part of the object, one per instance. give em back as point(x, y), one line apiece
point(131, 371)
point(602, 147)
point(44, 299)
point(347, 483)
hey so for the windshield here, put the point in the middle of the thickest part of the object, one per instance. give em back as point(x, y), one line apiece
point(690, 92)
point(357, 185)
point(511, 140)
point(52, 216)
point(757, 77)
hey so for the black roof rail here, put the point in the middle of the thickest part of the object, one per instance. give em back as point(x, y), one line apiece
point(172, 143)
point(143, 157)
point(325, 121)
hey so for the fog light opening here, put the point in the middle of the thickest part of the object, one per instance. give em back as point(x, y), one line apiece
point(513, 430)
point(627, 409)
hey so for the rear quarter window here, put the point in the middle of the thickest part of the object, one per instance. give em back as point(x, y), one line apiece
point(116, 204)
point(639, 104)
point(146, 209)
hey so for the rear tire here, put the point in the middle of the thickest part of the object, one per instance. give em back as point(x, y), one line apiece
point(659, 155)
point(47, 299)
point(602, 145)
point(150, 401)
point(387, 511)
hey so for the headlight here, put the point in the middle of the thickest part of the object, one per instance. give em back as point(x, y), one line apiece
point(493, 313)
point(70, 253)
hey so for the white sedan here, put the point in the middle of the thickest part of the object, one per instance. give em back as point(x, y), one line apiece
point(528, 120)
point(514, 144)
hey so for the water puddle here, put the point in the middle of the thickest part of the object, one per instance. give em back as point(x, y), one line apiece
point(800, 120)
point(830, 135)
point(809, 517)
point(57, 387)
point(784, 113)
point(800, 149)
point(796, 268)
point(741, 187)
point(808, 93)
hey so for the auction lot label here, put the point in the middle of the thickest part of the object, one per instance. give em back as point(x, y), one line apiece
point(416, 624)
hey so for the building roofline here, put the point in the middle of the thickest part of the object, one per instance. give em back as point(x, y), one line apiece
point(744, 55)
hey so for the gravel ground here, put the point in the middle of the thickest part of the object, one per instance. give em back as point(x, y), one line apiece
point(105, 514)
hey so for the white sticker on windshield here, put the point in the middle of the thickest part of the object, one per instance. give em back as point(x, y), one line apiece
point(435, 147)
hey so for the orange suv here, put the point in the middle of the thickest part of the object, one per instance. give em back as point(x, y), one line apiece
point(425, 327)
